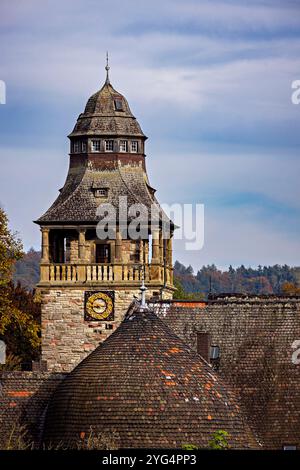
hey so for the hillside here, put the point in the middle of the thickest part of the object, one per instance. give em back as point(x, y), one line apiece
point(263, 280)
point(27, 270)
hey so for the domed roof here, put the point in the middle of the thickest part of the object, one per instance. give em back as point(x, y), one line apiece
point(107, 113)
point(147, 386)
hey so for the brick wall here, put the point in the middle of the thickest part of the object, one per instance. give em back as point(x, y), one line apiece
point(255, 336)
point(24, 397)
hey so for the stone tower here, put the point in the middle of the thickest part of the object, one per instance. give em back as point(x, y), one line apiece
point(87, 281)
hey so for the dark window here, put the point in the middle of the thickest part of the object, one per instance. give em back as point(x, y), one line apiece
point(118, 104)
point(102, 253)
point(203, 345)
point(134, 146)
point(135, 253)
point(96, 145)
point(100, 192)
point(123, 146)
point(214, 352)
point(109, 145)
point(76, 146)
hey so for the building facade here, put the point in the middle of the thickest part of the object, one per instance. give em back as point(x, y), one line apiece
point(104, 235)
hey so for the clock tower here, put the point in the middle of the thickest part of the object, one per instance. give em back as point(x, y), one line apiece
point(100, 240)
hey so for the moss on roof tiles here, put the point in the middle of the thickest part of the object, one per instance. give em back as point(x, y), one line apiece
point(147, 386)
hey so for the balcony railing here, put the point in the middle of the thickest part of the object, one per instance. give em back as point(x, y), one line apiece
point(70, 273)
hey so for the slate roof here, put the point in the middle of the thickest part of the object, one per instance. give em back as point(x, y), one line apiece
point(147, 386)
point(77, 203)
point(100, 116)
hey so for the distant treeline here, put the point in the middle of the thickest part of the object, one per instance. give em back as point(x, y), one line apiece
point(27, 269)
point(262, 280)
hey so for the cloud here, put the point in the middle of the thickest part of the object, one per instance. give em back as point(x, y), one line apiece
point(231, 238)
point(210, 83)
point(29, 182)
point(213, 174)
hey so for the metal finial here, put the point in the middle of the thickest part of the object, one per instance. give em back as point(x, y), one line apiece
point(107, 70)
point(143, 289)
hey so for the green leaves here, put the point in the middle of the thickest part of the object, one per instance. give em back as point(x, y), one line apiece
point(219, 440)
point(19, 323)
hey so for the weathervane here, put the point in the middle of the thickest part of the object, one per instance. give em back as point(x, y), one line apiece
point(107, 67)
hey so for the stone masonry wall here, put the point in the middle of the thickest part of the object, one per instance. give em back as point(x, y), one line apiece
point(66, 337)
point(255, 336)
point(24, 398)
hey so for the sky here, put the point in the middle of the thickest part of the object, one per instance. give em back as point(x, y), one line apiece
point(210, 82)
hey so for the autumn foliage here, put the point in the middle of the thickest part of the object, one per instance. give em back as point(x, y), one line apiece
point(19, 314)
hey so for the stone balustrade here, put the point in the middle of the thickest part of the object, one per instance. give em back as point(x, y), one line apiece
point(64, 273)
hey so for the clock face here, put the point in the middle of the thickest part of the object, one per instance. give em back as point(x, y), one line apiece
point(99, 306)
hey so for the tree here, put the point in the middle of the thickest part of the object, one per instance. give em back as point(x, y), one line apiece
point(179, 293)
point(182, 294)
point(18, 327)
point(10, 250)
point(290, 288)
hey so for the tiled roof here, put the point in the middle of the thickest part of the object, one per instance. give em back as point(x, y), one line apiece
point(147, 386)
point(100, 116)
point(256, 335)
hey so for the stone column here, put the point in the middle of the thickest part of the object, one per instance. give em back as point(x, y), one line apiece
point(146, 251)
point(117, 268)
point(44, 265)
point(81, 244)
point(146, 259)
point(161, 247)
point(45, 245)
point(141, 248)
point(155, 261)
point(155, 247)
point(118, 246)
point(169, 251)
point(81, 267)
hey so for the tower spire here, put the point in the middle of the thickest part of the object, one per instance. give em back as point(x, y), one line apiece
point(107, 67)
